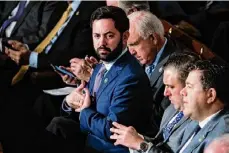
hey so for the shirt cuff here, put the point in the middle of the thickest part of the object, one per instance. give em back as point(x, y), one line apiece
point(33, 59)
point(65, 106)
point(1, 45)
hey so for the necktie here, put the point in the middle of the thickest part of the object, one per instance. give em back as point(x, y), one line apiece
point(43, 44)
point(15, 18)
point(98, 79)
point(149, 70)
point(169, 127)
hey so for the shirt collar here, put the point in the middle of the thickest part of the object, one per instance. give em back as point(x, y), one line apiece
point(75, 4)
point(206, 120)
point(108, 65)
point(155, 62)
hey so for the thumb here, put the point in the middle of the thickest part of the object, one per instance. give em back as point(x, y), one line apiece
point(87, 93)
point(81, 86)
point(94, 60)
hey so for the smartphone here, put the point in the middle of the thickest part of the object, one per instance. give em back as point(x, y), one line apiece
point(63, 71)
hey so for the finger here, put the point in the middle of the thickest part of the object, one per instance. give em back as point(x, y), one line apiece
point(65, 77)
point(12, 54)
point(76, 60)
point(15, 44)
point(119, 126)
point(86, 93)
point(117, 143)
point(87, 65)
point(81, 86)
point(94, 60)
point(7, 51)
point(116, 131)
point(114, 136)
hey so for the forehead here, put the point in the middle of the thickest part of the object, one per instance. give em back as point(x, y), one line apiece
point(103, 25)
point(194, 77)
point(134, 36)
point(112, 2)
point(171, 75)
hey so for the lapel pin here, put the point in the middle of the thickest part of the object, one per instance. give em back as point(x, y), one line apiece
point(160, 69)
point(201, 139)
point(105, 80)
point(78, 12)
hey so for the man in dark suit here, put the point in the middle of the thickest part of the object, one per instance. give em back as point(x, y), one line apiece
point(173, 123)
point(117, 85)
point(206, 103)
point(148, 44)
point(30, 26)
point(152, 50)
point(72, 41)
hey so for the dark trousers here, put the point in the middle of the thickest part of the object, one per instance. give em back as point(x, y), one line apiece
point(68, 129)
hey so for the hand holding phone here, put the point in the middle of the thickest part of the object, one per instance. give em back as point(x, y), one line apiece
point(6, 44)
point(63, 71)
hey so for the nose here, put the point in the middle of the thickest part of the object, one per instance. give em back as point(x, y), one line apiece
point(102, 41)
point(167, 92)
point(183, 92)
point(132, 51)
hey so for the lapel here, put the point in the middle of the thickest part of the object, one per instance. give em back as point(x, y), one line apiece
point(10, 6)
point(188, 133)
point(113, 73)
point(202, 134)
point(24, 14)
point(70, 27)
point(163, 59)
point(179, 123)
point(170, 112)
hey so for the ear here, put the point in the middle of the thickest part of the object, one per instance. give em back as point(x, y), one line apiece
point(125, 37)
point(211, 93)
point(154, 38)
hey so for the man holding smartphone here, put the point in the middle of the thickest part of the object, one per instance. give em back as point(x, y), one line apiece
point(113, 92)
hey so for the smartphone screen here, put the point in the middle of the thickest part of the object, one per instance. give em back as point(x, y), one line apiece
point(63, 71)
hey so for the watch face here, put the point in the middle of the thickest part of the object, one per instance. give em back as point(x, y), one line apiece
point(144, 146)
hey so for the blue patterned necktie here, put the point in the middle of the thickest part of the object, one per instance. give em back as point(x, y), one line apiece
point(98, 79)
point(149, 70)
point(169, 126)
point(15, 18)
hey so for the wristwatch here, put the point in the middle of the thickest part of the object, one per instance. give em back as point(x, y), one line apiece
point(144, 146)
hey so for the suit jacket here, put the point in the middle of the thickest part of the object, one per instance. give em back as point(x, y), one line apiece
point(34, 23)
point(158, 85)
point(119, 98)
point(75, 40)
point(216, 127)
point(174, 140)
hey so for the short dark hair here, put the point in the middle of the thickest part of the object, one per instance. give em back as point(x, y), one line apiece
point(181, 61)
point(111, 12)
point(127, 6)
point(214, 75)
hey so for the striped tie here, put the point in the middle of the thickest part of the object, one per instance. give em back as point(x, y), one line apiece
point(41, 47)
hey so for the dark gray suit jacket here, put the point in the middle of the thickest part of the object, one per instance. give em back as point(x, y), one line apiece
point(34, 24)
point(157, 84)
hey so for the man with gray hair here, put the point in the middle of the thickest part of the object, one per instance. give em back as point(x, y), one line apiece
point(220, 144)
point(152, 49)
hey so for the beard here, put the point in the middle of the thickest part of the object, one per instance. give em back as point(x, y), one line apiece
point(112, 55)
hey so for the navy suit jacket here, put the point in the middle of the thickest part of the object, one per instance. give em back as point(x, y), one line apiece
point(124, 96)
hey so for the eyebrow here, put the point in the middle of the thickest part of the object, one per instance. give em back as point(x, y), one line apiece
point(135, 43)
point(109, 32)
